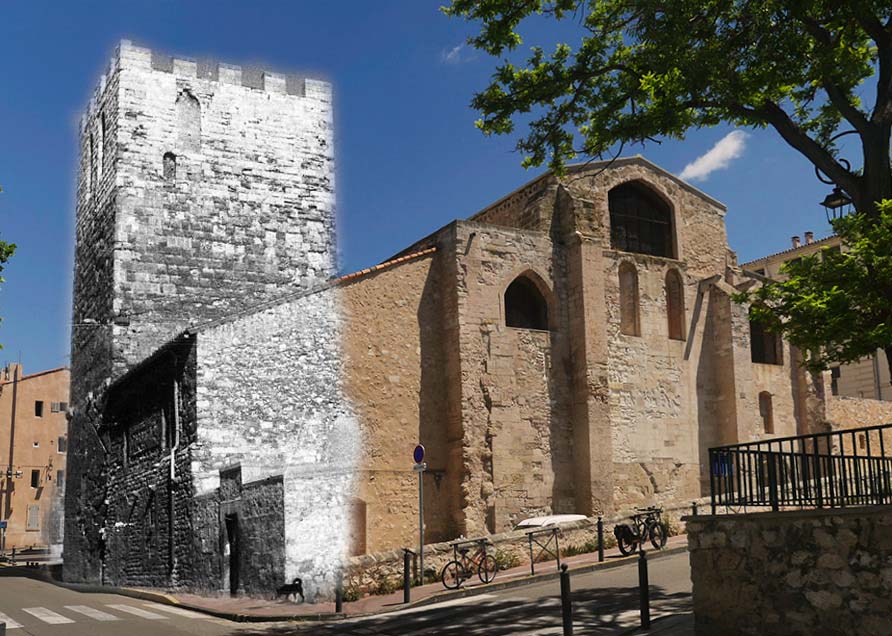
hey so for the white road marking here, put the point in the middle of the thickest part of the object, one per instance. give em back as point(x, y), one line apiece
point(47, 616)
point(136, 611)
point(468, 600)
point(10, 624)
point(174, 610)
point(96, 614)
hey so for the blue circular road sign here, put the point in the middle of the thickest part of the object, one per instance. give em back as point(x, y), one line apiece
point(418, 455)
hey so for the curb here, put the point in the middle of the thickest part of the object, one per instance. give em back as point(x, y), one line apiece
point(166, 599)
point(530, 580)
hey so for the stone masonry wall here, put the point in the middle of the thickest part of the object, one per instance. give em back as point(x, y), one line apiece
point(270, 400)
point(203, 189)
point(514, 382)
point(395, 353)
point(825, 572)
point(249, 210)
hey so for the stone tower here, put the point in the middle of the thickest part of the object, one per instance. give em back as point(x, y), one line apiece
point(203, 189)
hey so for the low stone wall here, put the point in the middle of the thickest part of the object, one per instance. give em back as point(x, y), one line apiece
point(800, 572)
point(383, 572)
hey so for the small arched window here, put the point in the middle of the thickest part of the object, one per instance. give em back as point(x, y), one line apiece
point(170, 166)
point(100, 147)
point(629, 320)
point(675, 305)
point(765, 347)
point(189, 122)
point(766, 411)
point(525, 307)
point(640, 221)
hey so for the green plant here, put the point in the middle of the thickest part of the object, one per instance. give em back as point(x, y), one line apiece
point(584, 548)
point(387, 585)
point(351, 593)
point(506, 560)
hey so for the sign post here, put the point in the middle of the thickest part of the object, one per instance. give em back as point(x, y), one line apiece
point(419, 467)
point(3, 535)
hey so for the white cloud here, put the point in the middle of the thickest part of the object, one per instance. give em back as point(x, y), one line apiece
point(718, 157)
point(456, 55)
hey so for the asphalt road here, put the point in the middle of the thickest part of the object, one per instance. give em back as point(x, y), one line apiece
point(604, 602)
point(35, 608)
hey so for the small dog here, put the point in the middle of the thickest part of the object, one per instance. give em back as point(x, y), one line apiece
point(291, 589)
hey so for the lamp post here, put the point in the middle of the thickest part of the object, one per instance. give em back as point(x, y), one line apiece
point(837, 204)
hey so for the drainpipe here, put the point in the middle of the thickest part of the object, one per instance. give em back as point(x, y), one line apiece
point(172, 477)
point(877, 387)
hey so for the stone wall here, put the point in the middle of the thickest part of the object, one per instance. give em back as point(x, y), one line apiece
point(249, 209)
point(203, 189)
point(850, 412)
point(270, 401)
point(395, 355)
point(382, 571)
point(143, 535)
point(514, 382)
point(810, 572)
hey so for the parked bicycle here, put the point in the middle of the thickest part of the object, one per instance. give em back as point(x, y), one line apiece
point(647, 524)
point(466, 564)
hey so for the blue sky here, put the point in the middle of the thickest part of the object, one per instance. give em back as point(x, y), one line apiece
point(409, 158)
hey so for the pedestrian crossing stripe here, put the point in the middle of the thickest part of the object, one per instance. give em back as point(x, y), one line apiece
point(129, 609)
point(93, 613)
point(174, 610)
point(10, 624)
point(46, 615)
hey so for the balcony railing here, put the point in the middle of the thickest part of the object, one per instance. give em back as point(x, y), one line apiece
point(823, 470)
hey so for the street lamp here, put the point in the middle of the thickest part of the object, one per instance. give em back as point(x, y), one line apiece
point(837, 204)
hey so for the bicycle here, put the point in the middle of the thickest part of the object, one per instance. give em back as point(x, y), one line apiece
point(647, 524)
point(463, 566)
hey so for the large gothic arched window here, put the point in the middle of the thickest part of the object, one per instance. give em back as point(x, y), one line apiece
point(640, 221)
point(525, 307)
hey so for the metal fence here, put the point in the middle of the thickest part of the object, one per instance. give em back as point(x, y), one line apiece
point(823, 470)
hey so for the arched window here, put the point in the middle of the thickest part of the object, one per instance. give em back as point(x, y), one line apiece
point(765, 347)
point(525, 307)
point(766, 411)
point(675, 305)
point(170, 166)
point(189, 122)
point(640, 221)
point(100, 148)
point(629, 320)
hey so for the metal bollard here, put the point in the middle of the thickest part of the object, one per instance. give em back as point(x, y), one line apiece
point(407, 575)
point(643, 590)
point(566, 605)
point(532, 565)
point(339, 594)
point(600, 539)
point(694, 507)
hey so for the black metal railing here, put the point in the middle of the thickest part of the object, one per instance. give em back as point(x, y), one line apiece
point(822, 470)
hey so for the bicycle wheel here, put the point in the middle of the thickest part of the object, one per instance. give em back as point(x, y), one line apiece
point(487, 568)
point(658, 536)
point(626, 543)
point(452, 575)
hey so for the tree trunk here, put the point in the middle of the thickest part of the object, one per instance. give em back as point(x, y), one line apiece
point(877, 180)
point(888, 351)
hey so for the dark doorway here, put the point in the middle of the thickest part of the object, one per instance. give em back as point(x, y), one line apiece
point(233, 545)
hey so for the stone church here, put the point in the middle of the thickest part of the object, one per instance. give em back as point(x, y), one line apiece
point(241, 416)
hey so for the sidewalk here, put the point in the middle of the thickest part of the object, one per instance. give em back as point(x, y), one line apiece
point(255, 610)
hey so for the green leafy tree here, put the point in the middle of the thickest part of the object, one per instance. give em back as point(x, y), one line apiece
point(835, 306)
point(643, 69)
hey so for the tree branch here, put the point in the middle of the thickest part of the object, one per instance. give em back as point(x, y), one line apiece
point(812, 150)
